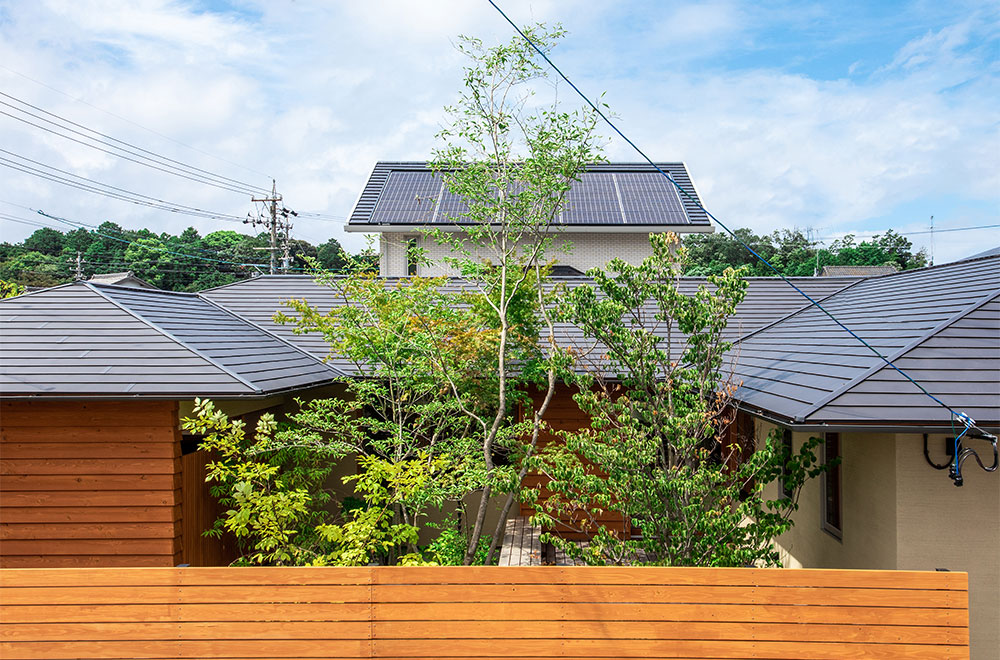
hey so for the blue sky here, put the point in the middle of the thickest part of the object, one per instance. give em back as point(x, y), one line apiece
point(836, 116)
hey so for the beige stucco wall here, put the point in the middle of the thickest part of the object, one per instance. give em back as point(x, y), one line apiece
point(868, 511)
point(941, 526)
point(579, 250)
point(899, 513)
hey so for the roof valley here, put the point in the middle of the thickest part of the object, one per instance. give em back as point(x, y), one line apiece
point(885, 361)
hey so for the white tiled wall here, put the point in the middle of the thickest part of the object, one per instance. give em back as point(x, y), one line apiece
point(585, 250)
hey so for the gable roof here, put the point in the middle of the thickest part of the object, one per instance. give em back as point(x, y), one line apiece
point(126, 278)
point(257, 299)
point(401, 196)
point(86, 339)
point(940, 324)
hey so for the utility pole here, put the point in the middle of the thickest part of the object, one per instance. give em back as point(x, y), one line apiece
point(278, 228)
point(815, 246)
point(79, 265)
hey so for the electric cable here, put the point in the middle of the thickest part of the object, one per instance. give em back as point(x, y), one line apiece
point(175, 171)
point(108, 190)
point(968, 421)
point(136, 124)
point(916, 233)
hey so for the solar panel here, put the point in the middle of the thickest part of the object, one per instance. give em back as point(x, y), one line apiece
point(408, 197)
point(648, 198)
point(598, 198)
point(452, 208)
point(592, 200)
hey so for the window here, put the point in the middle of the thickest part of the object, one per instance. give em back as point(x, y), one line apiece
point(832, 521)
point(786, 443)
point(411, 256)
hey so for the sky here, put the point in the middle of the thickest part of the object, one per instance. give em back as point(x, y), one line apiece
point(832, 117)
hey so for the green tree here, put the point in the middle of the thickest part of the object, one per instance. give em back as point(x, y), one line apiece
point(46, 241)
point(331, 255)
point(656, 450)
point(35, 269)
point(513, 165)
point(792, 254)
point(10, 289)
point(416, 347)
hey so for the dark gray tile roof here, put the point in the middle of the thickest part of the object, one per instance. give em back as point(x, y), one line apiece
point(768, 299)
point(940, 324)
point(607, 194)
point(84, 339)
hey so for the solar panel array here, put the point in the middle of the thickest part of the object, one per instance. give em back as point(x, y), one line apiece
point(415, 196)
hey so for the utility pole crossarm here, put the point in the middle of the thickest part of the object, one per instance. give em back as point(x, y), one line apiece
point(273, 227)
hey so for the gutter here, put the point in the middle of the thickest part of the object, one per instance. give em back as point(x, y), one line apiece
point(842, 427)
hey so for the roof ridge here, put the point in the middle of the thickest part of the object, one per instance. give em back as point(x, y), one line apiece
point(122, 287)
point(895, 355)
point(42, 290)
point(223, 286)
point(215, 363)
point(808, 305)
point(950, 264)
point(273, 335)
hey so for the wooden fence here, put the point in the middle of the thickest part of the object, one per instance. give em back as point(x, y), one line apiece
point(533, 612)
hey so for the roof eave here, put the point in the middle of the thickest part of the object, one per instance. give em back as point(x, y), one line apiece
point(700, 228)
point(840, 426)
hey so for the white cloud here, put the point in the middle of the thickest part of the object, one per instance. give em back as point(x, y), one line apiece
point(313, 93)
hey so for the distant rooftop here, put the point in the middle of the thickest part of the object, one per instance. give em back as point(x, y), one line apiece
point(992, 252)
point(400, 196)
point(126, 278)
point(857, 271)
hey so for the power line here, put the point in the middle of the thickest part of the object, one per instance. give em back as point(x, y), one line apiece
point(148, 247)
point(107, 190)
point(129, 121)
point(968, 421)
point(221, 178)
point(152, 163)
point(909, 233)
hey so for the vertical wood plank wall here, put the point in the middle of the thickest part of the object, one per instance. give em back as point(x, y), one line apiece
point(89, 484)
point(564, 414)
point(481, 612)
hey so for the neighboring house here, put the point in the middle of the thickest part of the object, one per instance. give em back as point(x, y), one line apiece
point(94, 380)
point(890, 504)
point(858, 271)
point(992, 252)
point(121, 279)
point(609, 213)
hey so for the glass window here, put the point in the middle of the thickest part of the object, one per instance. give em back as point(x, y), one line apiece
point(832, 501)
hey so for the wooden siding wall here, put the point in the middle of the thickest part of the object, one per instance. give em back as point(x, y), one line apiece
point(460, 612)
point(89, 484)
point(565, 415)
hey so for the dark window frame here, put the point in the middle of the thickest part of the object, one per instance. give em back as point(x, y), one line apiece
point(832, 499)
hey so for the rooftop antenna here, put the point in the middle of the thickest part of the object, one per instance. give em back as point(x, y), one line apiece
point(932, 240)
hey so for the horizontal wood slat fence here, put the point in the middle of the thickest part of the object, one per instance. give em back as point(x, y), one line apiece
point(482, 612)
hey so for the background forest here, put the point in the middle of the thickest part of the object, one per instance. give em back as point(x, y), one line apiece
point(191, 262)
point(188, 262)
